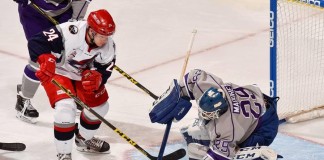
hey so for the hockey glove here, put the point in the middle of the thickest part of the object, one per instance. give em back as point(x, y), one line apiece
point(23, 2)
point(170, 105)
point(47, 67)
point(91, 80)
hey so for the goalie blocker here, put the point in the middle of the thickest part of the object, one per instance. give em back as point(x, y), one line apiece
point(170, 105)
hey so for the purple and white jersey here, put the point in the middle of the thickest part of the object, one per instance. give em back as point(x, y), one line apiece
point(246, 105)
point(68, 44)
point(53, 7)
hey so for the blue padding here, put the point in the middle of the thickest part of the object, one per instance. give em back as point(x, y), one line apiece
point(166, 102)
point(170, 105)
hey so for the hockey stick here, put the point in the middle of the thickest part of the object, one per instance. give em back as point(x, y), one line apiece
point(163, 145)
point(12, 146)
point(167, 130)
point(135, 82)
point(188, 53)
point(51, 19)
point(39, 10)
point(168, 127)
point(180, 153)
point(116, 67)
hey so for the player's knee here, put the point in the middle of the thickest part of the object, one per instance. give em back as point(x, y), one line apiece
point(65, 111)
point(102, 110)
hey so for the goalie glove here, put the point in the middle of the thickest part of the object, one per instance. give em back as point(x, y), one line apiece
point(170, 106)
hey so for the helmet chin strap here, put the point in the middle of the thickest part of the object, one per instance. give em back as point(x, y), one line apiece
point(91, 36)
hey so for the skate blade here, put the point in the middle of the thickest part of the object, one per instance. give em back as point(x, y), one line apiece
point(25, 118)
point(90, 151)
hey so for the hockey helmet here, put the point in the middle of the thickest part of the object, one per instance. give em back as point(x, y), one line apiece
point(212, 104)
point(101, 22)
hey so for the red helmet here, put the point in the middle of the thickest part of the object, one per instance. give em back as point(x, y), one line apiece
point(101, 22)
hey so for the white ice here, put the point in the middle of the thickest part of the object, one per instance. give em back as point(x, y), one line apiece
point(152, 38)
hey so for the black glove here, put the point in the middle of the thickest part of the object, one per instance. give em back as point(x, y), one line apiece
point(23, 2)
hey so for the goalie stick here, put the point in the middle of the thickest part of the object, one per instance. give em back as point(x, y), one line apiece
point(12, 146)
point(166, 134)
point(178, 154)
point(168, 126)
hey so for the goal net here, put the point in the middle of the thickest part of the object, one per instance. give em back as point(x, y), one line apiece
point(297, 58)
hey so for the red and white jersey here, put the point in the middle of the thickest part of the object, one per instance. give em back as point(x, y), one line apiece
point(67, 43)
point(77, 55)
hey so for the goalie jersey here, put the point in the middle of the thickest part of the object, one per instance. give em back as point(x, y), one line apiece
point(73, 54)
point(246, 106)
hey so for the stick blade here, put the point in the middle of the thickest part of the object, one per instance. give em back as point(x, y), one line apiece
point(178, 154)
point(12, 146)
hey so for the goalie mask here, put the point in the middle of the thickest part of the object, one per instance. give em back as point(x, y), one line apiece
point(212, 104)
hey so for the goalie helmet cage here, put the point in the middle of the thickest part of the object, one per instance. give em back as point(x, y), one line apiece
point(297, 58)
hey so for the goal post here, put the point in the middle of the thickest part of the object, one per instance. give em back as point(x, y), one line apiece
point(297, 58)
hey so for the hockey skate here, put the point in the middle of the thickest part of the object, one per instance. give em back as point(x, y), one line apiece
point(93, 145)
point(61, 156)
point(25, 111)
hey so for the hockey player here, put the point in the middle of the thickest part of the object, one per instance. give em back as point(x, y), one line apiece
point(233, 121)
point(80, 55)
point(33, 22)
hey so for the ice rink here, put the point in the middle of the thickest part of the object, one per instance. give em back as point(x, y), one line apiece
point(152, 38)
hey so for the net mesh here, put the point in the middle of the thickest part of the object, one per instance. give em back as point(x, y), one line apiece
point(300, 57)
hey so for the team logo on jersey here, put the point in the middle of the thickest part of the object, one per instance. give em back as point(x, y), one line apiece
point(73, 29)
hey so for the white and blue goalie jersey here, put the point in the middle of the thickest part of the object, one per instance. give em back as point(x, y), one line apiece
point(246, 105)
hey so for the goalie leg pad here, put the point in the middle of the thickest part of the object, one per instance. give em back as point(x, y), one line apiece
point(169, 105)
point(197, 151)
